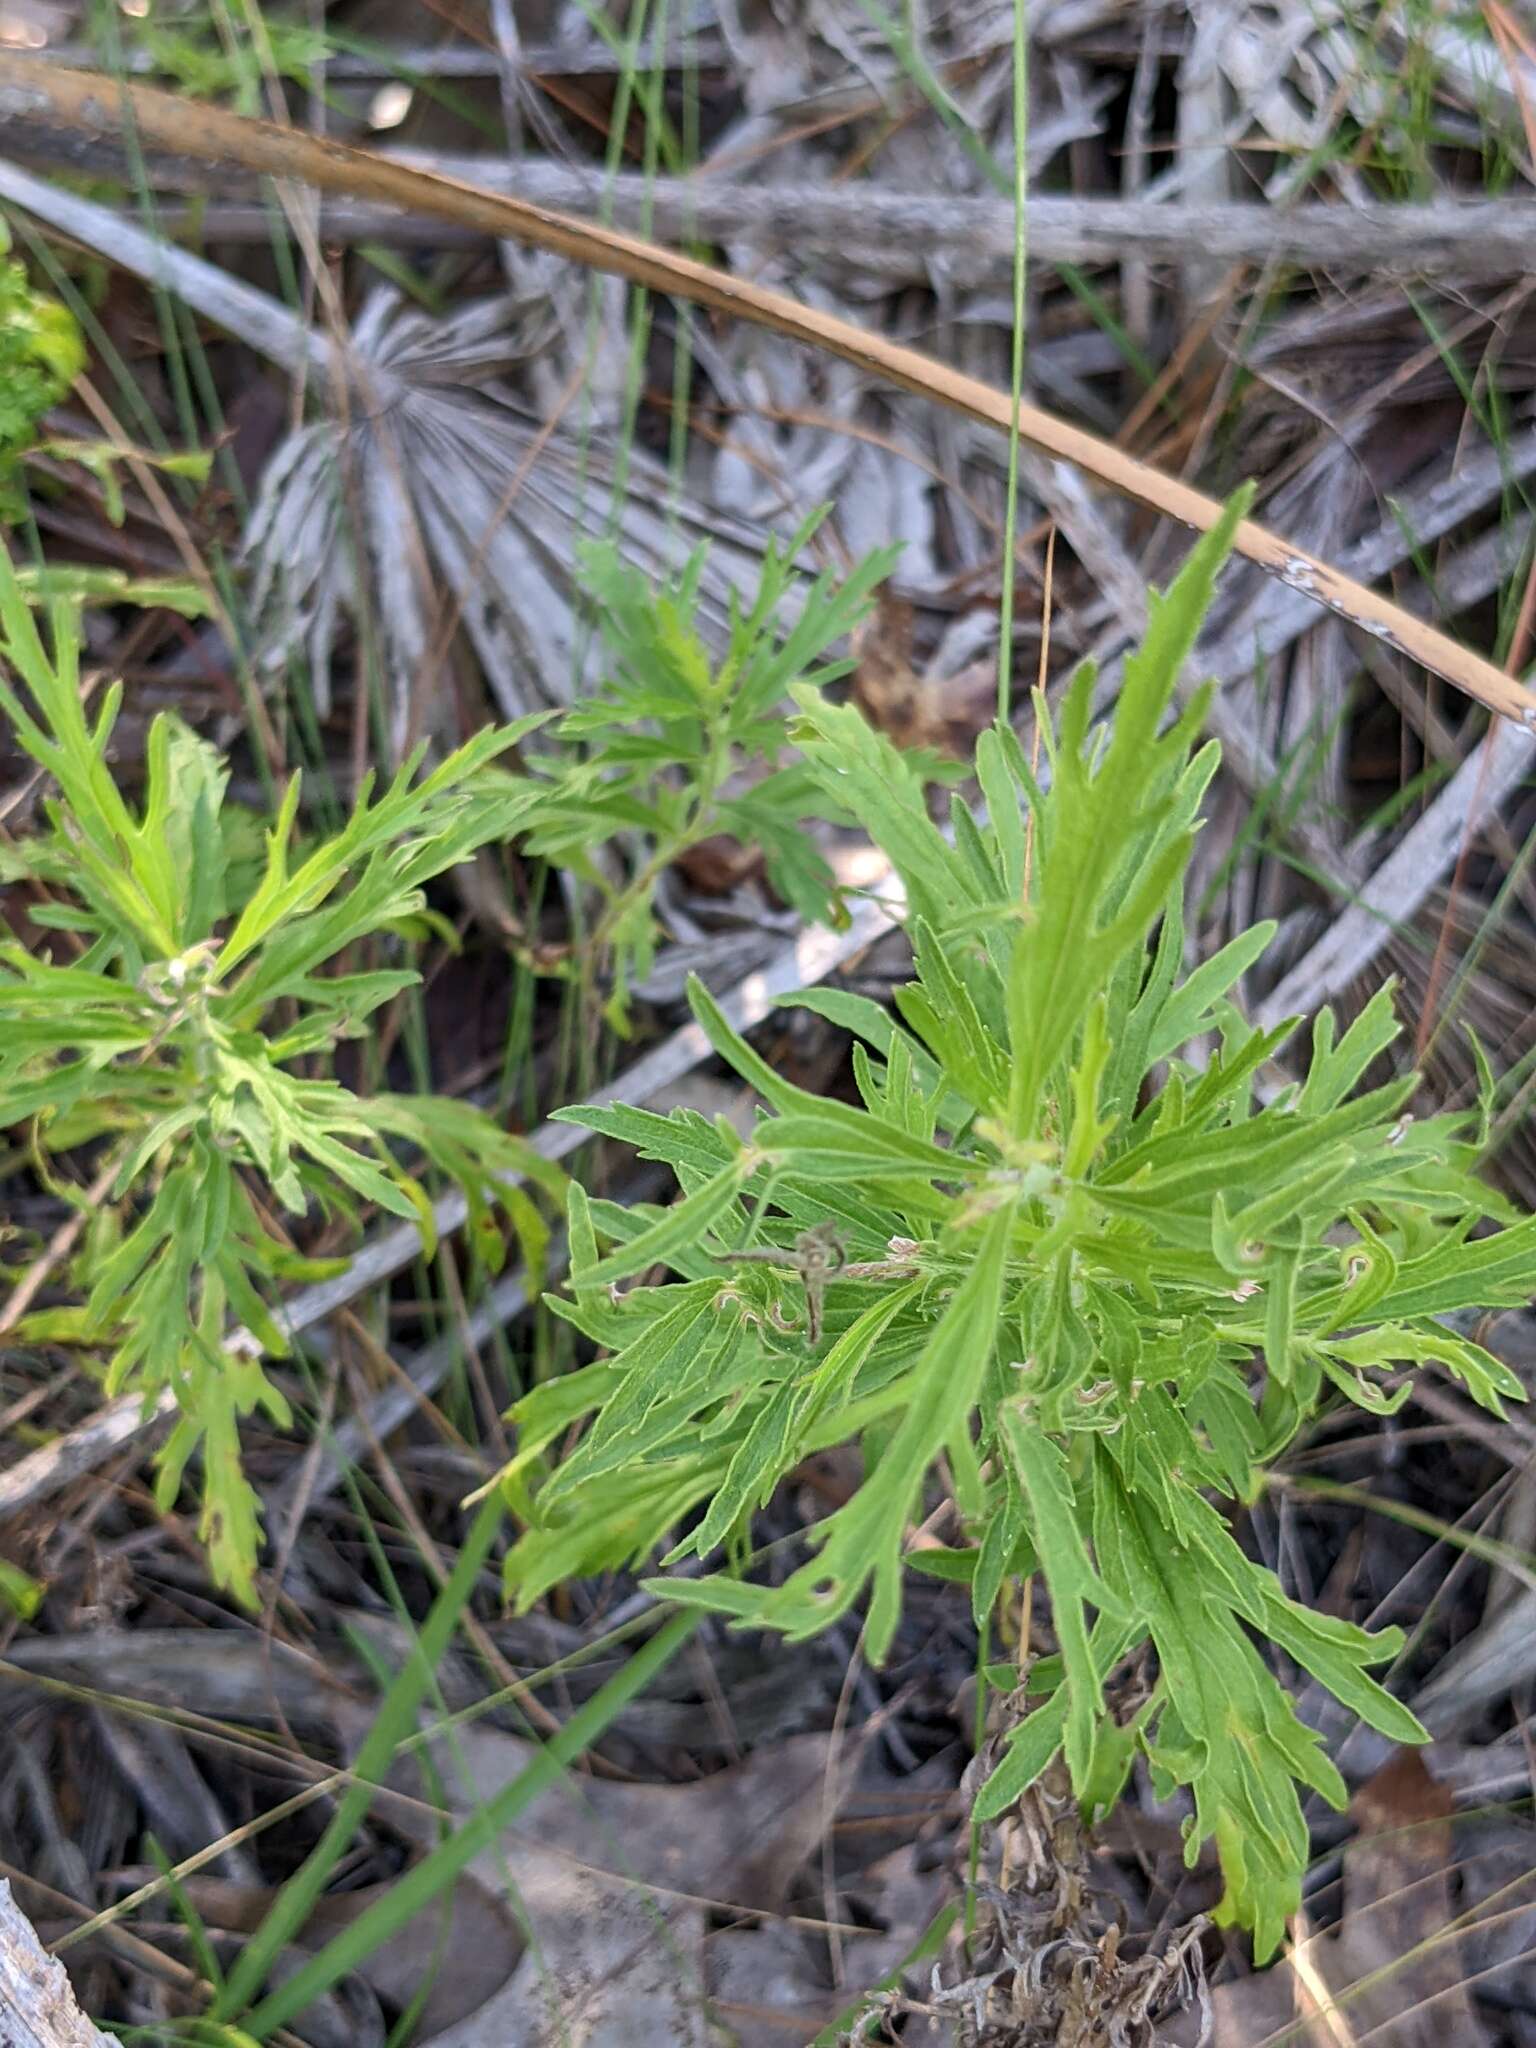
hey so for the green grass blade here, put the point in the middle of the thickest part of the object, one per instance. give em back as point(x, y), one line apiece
point(435, 1872)
point(396, 1720)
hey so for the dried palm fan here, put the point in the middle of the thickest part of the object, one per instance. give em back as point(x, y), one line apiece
point(466, 506)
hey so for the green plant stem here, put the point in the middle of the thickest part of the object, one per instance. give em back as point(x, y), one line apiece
point(1016, 388)
point(638, 888)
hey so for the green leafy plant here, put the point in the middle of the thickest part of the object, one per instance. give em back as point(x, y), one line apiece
point(105, 463)
point(210, 57)
point(677, 747)
point(86, 583)
point(181, 1043)
point(1052, 1268)
point(41, 354)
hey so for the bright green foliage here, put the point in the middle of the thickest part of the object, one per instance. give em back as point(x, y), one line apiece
point(179, 1030)
point(20, 1593)
point(41, 355)
point(1091, 1283)
point(106, 463)
point(677, 747)
point(210, 59)
point(88, 583)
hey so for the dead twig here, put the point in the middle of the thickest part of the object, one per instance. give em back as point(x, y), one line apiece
point(897, 235)
point(37, 2007)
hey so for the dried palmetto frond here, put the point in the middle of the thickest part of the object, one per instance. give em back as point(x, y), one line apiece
point(434, 497)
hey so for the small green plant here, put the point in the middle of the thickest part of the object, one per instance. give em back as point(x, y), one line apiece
point(184, 1041)
point(78, 583)
point(1053, 1270)
point(105, 463)
point(41, 354)
point(677, 747)
point(213, 56)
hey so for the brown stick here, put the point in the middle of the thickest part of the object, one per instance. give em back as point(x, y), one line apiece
point(40, 96)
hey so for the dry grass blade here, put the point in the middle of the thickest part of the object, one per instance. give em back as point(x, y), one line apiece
point(38, 96)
